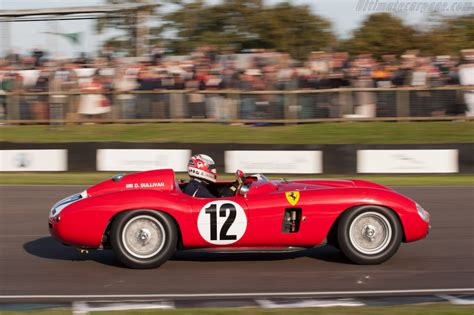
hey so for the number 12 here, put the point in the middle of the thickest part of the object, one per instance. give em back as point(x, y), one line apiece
point(212, 211)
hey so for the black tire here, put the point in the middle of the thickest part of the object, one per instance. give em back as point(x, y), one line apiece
point(356, 243)
point(156, 227)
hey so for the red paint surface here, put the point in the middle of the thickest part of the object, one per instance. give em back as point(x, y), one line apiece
point(84, 222)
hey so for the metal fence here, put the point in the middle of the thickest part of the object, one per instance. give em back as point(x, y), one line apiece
point(449, 103)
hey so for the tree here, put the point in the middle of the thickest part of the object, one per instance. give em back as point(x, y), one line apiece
point(229, 23)
point(247, 24)
point(379, 34)
point(294, 29)
point(447, 35)
point(126, 22)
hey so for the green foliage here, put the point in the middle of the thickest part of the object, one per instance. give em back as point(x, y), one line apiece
point(295, 30)
point(285, 27)
point(248, 24)
point(379, 34)
point(383, 33)
point(448, 35)
point(125, 22)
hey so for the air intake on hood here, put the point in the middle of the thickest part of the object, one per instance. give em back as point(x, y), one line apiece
point(118, 177)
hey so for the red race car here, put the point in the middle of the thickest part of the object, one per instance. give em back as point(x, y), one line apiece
point(145, 217)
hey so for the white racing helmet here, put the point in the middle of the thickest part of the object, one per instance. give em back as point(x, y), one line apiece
point(202, 166)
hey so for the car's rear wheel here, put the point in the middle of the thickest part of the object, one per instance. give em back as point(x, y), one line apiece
point(369, 234)
point(143, 238)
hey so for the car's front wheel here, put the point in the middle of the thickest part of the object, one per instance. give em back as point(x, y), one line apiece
point(369, 234)
point(143, 238)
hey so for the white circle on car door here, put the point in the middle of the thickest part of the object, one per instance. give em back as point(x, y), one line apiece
point(222, 222)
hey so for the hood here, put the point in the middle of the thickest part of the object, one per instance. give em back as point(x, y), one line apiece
point(159, 180)
point(306, 184)
point(325, 183)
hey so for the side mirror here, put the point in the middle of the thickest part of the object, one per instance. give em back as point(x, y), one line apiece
point(239, 174)
point(244, 190)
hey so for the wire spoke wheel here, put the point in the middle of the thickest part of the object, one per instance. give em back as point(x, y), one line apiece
point(143, 236)
point(370, 233)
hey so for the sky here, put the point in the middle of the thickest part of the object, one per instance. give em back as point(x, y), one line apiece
point(25, 36)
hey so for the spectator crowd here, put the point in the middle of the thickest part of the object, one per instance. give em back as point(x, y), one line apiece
point(92, 87)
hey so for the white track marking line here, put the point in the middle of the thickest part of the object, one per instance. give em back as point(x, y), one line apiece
point(309, 303)
point(243, 294)
point(457, 300)
point(79, 308)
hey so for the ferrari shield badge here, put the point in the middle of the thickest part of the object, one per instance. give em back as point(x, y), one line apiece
point(293, 197)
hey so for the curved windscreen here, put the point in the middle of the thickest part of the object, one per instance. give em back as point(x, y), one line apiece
point(260, 177)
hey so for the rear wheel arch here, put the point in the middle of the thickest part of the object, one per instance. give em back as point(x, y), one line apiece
point(106, 235)
point(143, 238)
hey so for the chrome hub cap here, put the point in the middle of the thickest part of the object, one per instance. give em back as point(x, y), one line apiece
point(370, 233)
point(143, 236)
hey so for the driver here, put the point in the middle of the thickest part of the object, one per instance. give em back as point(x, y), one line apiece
point(202, 170)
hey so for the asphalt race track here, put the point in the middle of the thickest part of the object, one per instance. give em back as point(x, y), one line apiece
point(32, 263)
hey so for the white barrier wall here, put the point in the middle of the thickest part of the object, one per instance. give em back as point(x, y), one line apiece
point(381, 161)
point(33, 160)
point(274, 162)
point(142, 159)
point(407, 161)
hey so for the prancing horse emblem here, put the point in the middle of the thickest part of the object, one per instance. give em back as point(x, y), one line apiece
point(293, 197)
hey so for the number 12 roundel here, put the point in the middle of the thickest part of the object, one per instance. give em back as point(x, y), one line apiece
point(222, 222)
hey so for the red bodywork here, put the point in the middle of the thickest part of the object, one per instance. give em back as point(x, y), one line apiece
point(83, 223)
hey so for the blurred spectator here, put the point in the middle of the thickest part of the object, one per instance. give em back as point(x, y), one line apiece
point(38, 55)
point(92, 101)
point(124, 82)
point(147, 80)
point(40, 103)
point(466, 77)
point(365, 101)
point(6, 81)
point(207, 68)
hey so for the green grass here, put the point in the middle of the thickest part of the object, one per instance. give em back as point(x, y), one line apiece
point(321, 133)
point(394, 310)
point(435, 309)
point(92, 178)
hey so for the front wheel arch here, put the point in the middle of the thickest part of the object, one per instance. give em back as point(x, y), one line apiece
point(358, 247)
point(332, 234)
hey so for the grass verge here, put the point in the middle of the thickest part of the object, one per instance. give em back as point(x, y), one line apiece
point(15, 178)
point(321, 133)
point(434, 309)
